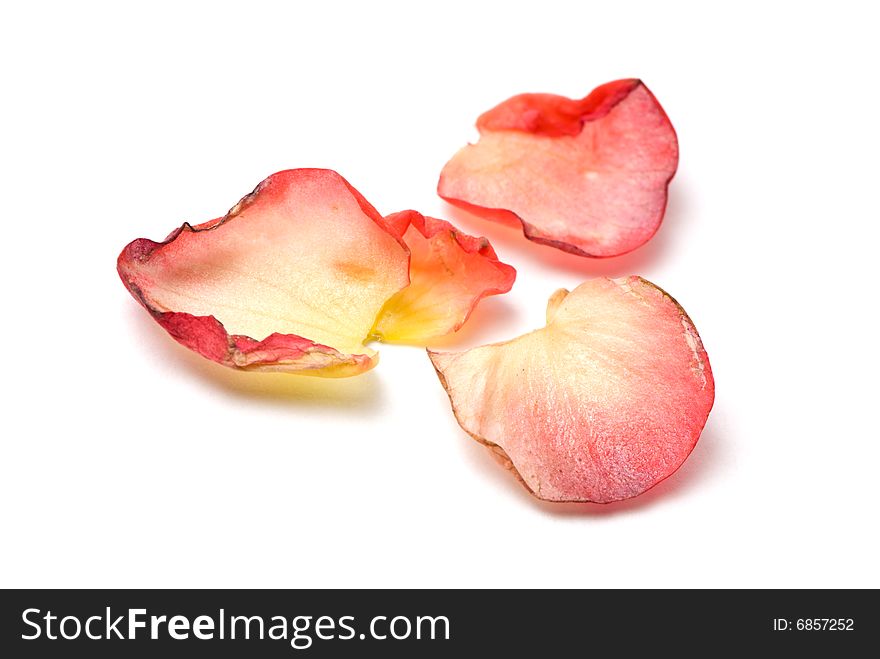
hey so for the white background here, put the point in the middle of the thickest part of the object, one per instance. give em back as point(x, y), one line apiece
point(128, 461)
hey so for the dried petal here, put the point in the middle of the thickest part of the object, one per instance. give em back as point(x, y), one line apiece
point(290, 279)
point(589, 177)
point(603, 403)
point(449, 273)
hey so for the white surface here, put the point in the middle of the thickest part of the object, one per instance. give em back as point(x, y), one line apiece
point(127, 461)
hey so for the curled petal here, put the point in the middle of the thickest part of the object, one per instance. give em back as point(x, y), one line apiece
point(600, 405)
point(587, 176)
point(450, 272)
point(291, 279)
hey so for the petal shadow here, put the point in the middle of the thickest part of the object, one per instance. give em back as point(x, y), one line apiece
point(360, 394)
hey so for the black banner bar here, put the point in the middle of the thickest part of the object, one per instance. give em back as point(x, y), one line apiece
point(430, 623)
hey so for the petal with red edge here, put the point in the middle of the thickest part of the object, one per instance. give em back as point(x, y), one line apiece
point(291, 279)
point(589, 177)
point(450, 272)
point(600, 405)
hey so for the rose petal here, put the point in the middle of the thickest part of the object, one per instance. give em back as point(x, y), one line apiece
point(603, 403)
point(589, 177)
point(291, 279)
point(450, 272)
